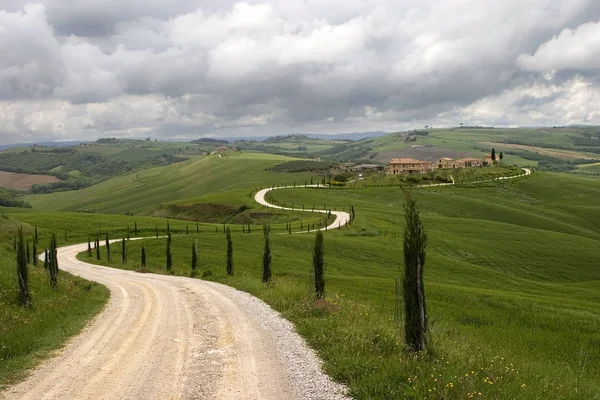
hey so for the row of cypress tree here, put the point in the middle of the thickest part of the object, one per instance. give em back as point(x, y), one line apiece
point(24, 258)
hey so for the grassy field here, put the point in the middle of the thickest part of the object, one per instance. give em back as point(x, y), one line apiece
point(30, 335)
point(194, 181)
point(590, 167)
point(511, 274)
point(511, 281)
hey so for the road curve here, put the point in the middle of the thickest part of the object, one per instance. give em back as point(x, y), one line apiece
point(341, 218)
point(167, 337)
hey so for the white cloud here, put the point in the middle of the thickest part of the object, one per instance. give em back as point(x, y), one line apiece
point(262, 67)
point(577, 49)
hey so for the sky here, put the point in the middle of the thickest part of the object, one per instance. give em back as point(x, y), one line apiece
point(184, 69)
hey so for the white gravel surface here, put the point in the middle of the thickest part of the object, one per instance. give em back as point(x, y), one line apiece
point(166, 337)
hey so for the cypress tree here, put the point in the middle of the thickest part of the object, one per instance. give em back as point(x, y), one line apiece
point(53, 263)
point(169, 257)
point(195, 256)
point(187, 229)
point(415, 243)
point(97, 248)
point(15, 244)
point(135, 229)
point(493, 154)
point(108, 256)
point(28, 254)
point(143, 257)
point(248, 227)
point(157, 231)
point(66, 236)
point(229, 253)
point(89, 248)
point(168, 227)
point(124, 251)
point(128, 236)
point(46, 259)
point(267, 256)
point(34, 254)
point(216, 230)
point(22, 272)
point(197, 228)
point(501, 156)
point(36, 235)
point(319, 265)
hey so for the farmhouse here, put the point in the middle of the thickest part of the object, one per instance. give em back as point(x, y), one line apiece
point(221, 149)
point(409, 166)
point(412, 166)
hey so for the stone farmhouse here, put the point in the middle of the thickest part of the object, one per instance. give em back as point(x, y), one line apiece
point(413, 166)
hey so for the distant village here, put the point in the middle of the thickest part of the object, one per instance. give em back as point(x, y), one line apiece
point(413, 166)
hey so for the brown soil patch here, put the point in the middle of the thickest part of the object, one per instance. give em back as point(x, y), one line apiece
point(17, 181)
point(558, 153)
point(420, 153)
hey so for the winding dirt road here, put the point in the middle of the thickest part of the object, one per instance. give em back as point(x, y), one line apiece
point(167, 337)
point(341, 217)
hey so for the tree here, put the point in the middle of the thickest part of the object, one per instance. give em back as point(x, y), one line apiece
point(195, 256)
point(143, 257)
point(97, 248)
point(319, 265)
point(157, 231)
point(34, 254)
point(267, 256)
point(493, 154)
point(108, 256)
point(501, 156)
point(197, 228)
point(46, 259)
point(89, 248)
point(135, 229)
point(415, 243)
point(124, 251)
point(128, 236)
point(169, 256)
point(229, 252)
point(53, 263)
point(28, 254)
point(22, 272)
point(36, 235)
point(168, 227)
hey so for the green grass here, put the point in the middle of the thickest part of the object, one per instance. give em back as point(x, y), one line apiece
point(511, 282)
point(590, 167)
point(186, 182)
point(27, 336)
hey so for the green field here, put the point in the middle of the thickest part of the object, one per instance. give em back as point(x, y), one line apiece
point(30, 335)
point(511, 273)
point(511, 280)
point(197, 180)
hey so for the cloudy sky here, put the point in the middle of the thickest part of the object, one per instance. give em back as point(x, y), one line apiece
point(186, 68)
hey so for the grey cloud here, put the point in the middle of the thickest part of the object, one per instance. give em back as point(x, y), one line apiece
point(220, 66)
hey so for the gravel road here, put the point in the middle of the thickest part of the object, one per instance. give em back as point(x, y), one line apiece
point(341, 217)
point(166, 337)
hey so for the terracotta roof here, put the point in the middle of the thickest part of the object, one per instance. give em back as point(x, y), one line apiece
point(406, 161)
point(447, 159)
point(469, 159)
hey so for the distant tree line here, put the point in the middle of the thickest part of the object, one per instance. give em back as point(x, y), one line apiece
point(302, 166)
